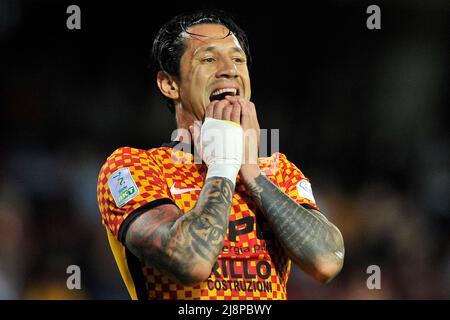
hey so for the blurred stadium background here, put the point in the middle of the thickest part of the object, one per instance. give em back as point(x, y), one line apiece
point(363, 113)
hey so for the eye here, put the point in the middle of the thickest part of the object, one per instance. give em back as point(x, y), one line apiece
point(238, 60)
point(208, 60)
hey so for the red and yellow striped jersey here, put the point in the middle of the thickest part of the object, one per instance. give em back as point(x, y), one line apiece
point(252, 264)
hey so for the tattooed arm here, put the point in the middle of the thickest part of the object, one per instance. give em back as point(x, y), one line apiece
point(310, 240)
point(184, 247)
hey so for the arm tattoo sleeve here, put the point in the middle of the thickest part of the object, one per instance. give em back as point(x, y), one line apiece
point(175, 243)
point(307, 236)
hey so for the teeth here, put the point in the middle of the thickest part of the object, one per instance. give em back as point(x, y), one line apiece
point(233, 91)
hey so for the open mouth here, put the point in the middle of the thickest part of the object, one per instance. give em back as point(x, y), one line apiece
point(221, 93)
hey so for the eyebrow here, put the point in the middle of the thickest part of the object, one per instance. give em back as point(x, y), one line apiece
point(213, 48)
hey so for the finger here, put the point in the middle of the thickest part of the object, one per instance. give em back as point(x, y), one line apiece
point(242, 102)
point(232, 99)
point(226, 115)
point(209, 113)
point(236, 113)
point(218, 109)
point(245, 112)
point(252, 107)
point(195, 131)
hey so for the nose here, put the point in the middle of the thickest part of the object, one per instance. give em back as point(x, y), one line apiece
point(227, 69)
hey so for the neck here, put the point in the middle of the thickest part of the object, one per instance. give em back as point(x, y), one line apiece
point(184, 120)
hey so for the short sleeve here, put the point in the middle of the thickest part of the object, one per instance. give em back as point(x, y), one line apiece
point(129, 183)
point(292, 181)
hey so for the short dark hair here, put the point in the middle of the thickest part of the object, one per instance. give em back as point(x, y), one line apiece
point(169, 45)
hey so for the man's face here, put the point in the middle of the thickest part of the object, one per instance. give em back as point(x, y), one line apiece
point(213, 65)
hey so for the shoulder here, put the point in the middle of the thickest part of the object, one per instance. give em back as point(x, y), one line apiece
point(275, 157)
point(279, 164)
point(274, 163)
point(128, 157)
point(124, 152)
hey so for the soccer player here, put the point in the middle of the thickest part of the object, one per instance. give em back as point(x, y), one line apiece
point(226, 227)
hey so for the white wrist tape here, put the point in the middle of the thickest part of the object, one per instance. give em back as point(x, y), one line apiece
point(222, 146)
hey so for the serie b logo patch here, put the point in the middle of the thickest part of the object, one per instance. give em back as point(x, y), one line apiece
point(123, 187)
point(304, 190)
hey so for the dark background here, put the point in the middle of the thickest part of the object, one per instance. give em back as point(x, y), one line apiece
point(363, 113)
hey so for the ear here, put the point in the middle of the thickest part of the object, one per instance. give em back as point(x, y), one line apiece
point(167, 85)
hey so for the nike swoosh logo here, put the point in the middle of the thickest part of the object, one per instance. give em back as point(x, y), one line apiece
point(175, 191)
